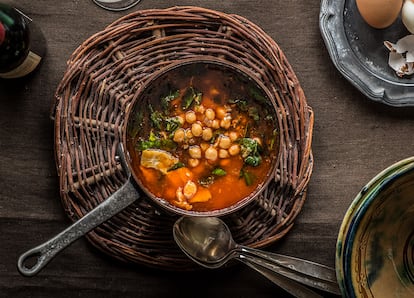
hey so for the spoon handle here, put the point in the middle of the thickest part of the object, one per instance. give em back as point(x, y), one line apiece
point(42, 254)
point(306, 272)
point(292, 287)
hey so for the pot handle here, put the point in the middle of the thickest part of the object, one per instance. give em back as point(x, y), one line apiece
point(45, 252)
point(32, 262)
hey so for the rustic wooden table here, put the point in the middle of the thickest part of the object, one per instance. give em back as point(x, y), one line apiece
point(354, 138)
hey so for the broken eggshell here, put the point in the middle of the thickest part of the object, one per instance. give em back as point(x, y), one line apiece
point(401, 57)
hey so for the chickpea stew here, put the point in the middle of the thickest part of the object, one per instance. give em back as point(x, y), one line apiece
point(203, 139)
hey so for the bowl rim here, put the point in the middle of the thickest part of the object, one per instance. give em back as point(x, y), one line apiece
point(237, 68)
point(354, 215)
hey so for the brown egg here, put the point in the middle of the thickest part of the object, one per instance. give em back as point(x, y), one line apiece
point(379, 13)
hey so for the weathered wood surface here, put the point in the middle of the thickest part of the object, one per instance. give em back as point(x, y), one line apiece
point(353, 139)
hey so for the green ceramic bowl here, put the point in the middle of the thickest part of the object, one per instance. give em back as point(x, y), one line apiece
point(375, 248)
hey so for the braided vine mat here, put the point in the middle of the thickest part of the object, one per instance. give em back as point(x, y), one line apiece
point(104, 75)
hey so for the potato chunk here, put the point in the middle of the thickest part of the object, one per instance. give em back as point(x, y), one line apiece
point(158, 159)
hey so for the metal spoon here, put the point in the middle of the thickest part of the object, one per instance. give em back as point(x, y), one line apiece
point(208, 242)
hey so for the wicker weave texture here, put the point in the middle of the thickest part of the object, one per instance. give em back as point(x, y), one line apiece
point(104, 75)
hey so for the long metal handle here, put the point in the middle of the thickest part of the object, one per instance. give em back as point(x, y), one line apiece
point(306, 272)
point(292, 287)
point(45, 252)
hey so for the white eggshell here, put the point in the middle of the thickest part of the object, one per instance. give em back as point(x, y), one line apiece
point(407, 15)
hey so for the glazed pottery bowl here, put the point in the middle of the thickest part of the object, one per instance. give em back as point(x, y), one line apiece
point(375, 248)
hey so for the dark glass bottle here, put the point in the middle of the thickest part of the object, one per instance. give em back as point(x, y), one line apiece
point(21, 43)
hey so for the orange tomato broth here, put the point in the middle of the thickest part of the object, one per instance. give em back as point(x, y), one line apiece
point(226, 190)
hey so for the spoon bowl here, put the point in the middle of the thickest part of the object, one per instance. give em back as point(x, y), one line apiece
point(208, 242)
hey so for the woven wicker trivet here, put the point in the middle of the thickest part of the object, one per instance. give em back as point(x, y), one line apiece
point(102, 78)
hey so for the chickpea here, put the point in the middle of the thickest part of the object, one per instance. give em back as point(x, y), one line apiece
point(195, 151)
point(193, 162)
point(190, 189)
point(204, 146)
point(208, 123)
point(221, 112)
point(224, 142)
point(196, 129)
point(215, 124)
point(223, 153)
point(233, 136)
point(207, 134)
point(225, 122)
point(211, 154)
point(179, 135)
point(190, 117)
point(210, 114)
point(188, 133)
point(234, 149)
point(200, 109)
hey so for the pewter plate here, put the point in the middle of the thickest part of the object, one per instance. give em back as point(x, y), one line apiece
point(358, 52)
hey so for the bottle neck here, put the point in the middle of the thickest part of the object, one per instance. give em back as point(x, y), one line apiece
point(2, 33)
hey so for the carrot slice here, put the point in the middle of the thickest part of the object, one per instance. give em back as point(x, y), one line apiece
point(202, 195)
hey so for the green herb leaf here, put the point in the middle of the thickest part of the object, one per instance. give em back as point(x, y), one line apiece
point(219, 172)
point(250, 151)
point(258, 95)
point(254, 113)
point(273, 143)
point(144, 145)
point(253, 161)
point(247, 176)
point(171, 124)
point(191, 97)
point(206, 181)
point(155, 141)
point(156, 118)
point(152, 137)
point(248, 147)
point(241, 104)
point(167, 144)
point(176, 166)
point(165, 101)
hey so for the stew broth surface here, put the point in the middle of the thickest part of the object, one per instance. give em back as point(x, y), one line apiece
point(204, 148)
